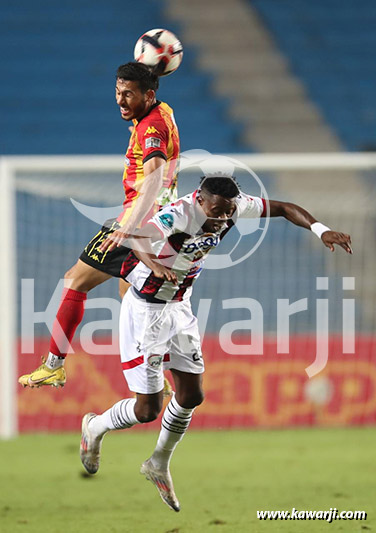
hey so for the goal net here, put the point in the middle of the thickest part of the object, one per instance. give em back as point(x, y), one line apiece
point(287, 326)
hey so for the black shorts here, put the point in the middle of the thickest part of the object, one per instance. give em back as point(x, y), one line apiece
point(108, 262)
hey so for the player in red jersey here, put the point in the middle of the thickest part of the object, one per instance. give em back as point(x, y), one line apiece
point(149, 181)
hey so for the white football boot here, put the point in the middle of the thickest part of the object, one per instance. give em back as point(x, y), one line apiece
point(163, 482)
point(90, 447)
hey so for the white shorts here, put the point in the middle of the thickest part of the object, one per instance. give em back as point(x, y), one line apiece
point(157, 337)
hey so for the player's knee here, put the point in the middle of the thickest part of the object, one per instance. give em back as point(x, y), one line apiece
point(69, 274)
point(191, 399)
point(197, 398)
point(148, 415)
point(69, 278)
point(147, 412)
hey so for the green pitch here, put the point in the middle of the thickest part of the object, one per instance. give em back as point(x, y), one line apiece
point(221, 479)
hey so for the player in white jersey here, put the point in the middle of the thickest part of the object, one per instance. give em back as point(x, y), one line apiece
point(157, 328)
point(184, 242)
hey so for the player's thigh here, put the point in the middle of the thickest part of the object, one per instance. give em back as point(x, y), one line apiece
point(83, 277)
point(141, 352)
point(185, 344)
point(185, 357)
point(123, 287)
point(189, 392)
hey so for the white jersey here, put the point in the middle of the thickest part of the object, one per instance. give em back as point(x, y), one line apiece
point(183, 246)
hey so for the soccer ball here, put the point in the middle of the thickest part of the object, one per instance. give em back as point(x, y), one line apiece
point(160, 49)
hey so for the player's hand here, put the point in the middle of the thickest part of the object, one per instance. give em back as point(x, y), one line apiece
point(115, 240)
point(161, 271)
point(329, 238)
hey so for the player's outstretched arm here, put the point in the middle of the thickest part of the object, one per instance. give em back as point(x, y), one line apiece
point(152, 184)
point(299, 216)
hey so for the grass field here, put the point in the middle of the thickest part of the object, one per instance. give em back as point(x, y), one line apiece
point(221, 479)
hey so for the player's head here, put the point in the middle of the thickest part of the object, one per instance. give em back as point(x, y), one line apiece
point(136, 86)
point(217, 197)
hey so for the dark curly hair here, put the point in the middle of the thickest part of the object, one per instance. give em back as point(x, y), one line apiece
point(139, 72)
point(224, 186)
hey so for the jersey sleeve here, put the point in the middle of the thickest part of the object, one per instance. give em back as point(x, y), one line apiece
point(251, 206)
point(153, 136)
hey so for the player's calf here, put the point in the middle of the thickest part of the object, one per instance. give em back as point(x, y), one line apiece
point(175, 422)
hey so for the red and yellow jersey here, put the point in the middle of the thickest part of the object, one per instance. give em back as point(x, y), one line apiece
point(156, 134)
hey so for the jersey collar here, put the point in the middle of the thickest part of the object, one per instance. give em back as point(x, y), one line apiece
point(137, 121)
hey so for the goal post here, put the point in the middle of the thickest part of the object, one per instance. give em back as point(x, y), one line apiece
point(35, 192)
point(8, 292)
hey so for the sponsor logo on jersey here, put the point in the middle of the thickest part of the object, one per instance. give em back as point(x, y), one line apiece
point(205, 244)
point(151, 129)
point(167, 220)
point(126, 161)
point(155, 361)
point(152, 142)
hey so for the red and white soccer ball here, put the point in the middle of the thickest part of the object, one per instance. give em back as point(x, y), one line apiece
point(160, 49)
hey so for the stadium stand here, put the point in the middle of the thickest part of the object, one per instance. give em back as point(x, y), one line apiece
point(329, 46)
point(57, 91)
point(58, 98)
point(248, 65)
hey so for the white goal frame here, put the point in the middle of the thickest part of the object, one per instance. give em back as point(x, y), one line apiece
point(10, 165)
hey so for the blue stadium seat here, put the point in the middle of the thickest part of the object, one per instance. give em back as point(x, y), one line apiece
point(57, 91)
point(330, 45)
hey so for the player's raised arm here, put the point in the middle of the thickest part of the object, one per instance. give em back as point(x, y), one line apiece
point(148, 192)
point(151, 186)
point(299, 216)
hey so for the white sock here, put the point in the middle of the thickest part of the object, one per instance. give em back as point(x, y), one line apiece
point(175, 422)
point(54, 361)
point(119, 416)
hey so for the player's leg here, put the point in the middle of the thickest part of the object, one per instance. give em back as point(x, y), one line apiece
point(83, 277)
point(144, 374)
point(187, 366)
point(175, 422)
point(123, 287)
point(177, 416)
point(93, 268)
point(123, 415)
point(79, 280)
